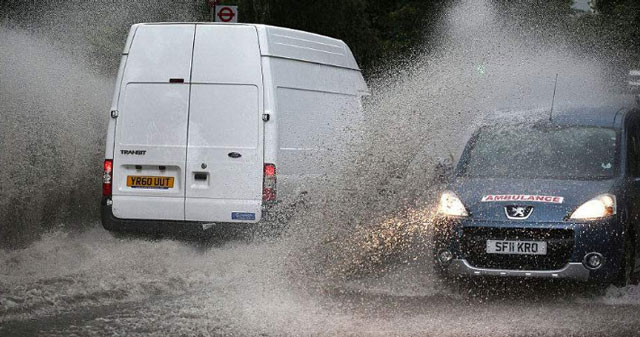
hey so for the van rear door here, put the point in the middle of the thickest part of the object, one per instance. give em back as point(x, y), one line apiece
point(225, 130)
point(151, 129)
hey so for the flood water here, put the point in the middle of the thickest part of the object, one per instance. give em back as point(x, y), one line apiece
point(352, 259)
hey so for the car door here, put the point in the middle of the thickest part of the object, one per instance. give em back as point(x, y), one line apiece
point(151, 126)
point(225, 129)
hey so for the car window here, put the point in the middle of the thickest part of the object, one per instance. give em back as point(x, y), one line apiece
point(583, 153)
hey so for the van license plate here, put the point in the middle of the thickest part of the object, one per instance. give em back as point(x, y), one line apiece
point(516, 247)
point(150, 182)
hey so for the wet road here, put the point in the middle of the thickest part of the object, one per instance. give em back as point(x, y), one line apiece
point(93, 284)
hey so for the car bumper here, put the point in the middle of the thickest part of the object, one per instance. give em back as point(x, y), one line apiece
point(572, 271)
point(604, 238)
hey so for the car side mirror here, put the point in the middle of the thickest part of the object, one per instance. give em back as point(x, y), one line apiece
point(443, 171)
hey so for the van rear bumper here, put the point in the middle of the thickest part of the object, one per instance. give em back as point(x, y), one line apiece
point(112, 223)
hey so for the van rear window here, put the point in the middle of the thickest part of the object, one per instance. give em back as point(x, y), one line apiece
point(581, 153)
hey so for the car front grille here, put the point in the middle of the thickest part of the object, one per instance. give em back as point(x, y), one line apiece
point(559, 248)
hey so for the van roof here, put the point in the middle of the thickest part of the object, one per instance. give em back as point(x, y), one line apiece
point(285, 43)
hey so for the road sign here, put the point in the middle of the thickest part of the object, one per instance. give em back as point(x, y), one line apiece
point(226, 14)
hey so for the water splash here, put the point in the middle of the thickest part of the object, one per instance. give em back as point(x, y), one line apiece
point(363, 232)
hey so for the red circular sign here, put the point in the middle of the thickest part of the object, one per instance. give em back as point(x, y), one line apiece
point(226, 14)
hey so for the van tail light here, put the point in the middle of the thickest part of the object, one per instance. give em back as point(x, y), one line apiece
point(269, 183)
point(107, 178)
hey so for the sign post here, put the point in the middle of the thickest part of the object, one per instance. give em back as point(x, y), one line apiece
point(212, 8)
point(226, 14)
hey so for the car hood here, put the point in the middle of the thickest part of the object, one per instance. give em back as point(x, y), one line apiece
point(552, 200)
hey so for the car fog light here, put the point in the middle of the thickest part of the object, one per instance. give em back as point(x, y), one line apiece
point(445, 256)
point(593, 261)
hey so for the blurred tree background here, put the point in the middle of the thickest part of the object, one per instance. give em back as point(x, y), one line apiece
point(377, 31)
point(619, 23)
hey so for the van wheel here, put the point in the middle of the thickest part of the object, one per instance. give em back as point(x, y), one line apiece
point(114, 230)
point(110, 227)
point(627, 274)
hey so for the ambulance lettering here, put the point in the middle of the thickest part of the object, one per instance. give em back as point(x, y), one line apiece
point(523, 197)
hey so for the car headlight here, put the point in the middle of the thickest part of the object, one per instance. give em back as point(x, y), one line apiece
point(599, 207)
point(450, 205)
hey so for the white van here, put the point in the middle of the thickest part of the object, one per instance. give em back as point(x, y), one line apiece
point(205, 115)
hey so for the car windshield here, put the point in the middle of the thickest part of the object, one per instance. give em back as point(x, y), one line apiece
point(581, 153)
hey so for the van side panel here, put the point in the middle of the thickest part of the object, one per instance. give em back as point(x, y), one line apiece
point(225, 134)
point(151, 129)
point(271, 127)
point(317, 114)
point(315, 140)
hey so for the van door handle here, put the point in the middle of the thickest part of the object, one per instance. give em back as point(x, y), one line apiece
point(234, 155)
point(200, 176)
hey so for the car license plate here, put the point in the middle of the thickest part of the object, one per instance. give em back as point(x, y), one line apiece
point(516, 247)
point(150, 182)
